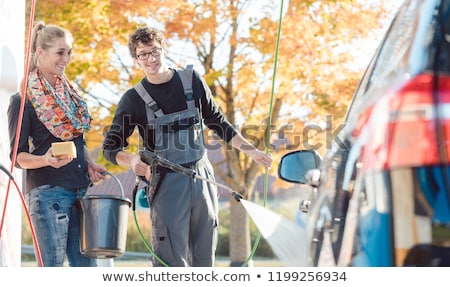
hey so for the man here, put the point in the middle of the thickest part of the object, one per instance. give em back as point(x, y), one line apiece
point(184, 211)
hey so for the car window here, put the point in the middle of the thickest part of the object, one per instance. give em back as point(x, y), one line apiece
point(393, 57)
point(389, 60)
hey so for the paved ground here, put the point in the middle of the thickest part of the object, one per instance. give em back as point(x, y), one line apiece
point(144, 263)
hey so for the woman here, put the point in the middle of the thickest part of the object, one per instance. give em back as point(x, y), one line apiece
point(53, 112)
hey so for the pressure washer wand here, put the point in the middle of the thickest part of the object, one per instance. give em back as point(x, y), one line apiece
point(151, 158)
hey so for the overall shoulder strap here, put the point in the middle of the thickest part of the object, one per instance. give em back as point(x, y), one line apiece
point(186, 80)
point(150, 104)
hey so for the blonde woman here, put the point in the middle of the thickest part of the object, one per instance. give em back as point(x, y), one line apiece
point(53, 112)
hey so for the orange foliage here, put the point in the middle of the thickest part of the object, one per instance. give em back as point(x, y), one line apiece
point(234, 45)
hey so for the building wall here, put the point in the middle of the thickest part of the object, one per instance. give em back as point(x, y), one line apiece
point(12, 31)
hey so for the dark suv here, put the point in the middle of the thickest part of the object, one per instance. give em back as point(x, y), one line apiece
point(382, 192)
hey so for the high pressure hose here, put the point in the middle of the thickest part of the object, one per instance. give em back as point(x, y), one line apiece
point(16, 144)
point(147, 245)
point(267, 143)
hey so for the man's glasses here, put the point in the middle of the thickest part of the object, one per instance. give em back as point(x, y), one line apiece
point(155, 53)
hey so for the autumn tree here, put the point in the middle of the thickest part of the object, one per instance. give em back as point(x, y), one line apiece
point(233, 44)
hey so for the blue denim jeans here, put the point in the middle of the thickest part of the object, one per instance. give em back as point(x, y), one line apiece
point(55, 215)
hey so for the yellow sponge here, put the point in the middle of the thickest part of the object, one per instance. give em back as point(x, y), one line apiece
point(61, 149)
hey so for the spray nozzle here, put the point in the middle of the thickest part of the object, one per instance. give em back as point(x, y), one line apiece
point(237, 196)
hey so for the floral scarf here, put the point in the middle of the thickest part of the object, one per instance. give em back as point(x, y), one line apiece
point(63, 112)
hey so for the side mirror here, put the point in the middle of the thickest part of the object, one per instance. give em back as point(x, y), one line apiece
point(294, 166)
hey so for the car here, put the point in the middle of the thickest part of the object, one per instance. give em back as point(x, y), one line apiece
point(381, 192)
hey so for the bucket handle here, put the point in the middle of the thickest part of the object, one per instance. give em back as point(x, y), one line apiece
point(122, 193)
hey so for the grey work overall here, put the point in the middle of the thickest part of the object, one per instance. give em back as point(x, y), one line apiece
point(184, 210)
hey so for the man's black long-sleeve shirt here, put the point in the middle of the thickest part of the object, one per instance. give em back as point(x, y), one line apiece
point(131, 113)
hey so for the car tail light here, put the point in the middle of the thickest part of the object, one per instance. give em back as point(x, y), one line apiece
point(409, 127)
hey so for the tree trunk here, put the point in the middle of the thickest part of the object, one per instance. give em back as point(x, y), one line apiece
point(240, 244)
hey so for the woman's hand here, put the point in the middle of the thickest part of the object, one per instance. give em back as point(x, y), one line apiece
point(96, 172)
point(56, 162)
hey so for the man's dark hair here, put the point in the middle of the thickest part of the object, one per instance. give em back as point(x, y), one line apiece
point(147, 36)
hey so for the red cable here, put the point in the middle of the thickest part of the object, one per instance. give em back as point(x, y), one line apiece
point(16, 144)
